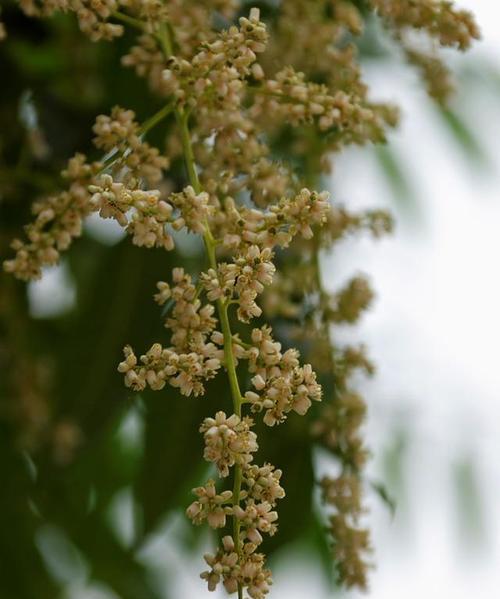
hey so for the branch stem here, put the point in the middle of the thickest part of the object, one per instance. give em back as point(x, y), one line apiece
point(128, 20)
point(182, 118)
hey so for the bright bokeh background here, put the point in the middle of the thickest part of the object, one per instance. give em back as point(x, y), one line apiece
point(434, 331)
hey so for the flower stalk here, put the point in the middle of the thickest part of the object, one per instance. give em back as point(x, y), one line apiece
point(222, 305)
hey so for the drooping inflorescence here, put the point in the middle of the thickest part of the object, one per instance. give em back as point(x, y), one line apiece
point(232, 94)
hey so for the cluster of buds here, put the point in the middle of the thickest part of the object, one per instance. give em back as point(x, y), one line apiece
point(213, 76)
point(92, 16)
point(246, 208)
point(237, 571)
point(275, 226)
point(228, 441)
point(161, 365)
point(120, 134)
point(281, 384)
point(149, 214)
point(58, 221)
point(439, 18)
point(349, 542)
point(292, 98)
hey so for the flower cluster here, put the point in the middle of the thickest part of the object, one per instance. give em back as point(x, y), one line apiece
point(297, 295)
point(290, 97)
point(281, 384)
point(192, 358)
point(276, 226)
point(190, 322)
point(92, 16)
point(262, 232)
point(229, 441)
point(263, 483)
point(439, 22)
point(149, 214)
point(148, 61)
point(339, 430)
point(159, 365)
point(342, 222)
point(350, 542)
point(347, 304)
point(244, 279)
point(58, 220)
point(120, 133)
point(455, 28)
point(238, 571)
point(194, 210)
point(213, 77)
point(436, 75)
point(210, 506)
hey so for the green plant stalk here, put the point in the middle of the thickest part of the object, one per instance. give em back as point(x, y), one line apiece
point(156, 118)
point(222, 307)
point(128, 20)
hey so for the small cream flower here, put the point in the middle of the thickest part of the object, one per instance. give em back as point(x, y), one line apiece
point(263, 483)
point(228, 441)
point(210, 506)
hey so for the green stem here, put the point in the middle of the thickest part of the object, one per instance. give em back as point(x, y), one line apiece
point(156, 118)
point(222, 306)
point(212, 259)
point(182, 120)
point(165, 40)
point(242, 343)
point(128, 20)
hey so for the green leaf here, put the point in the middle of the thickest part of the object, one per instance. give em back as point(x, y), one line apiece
point(288, 447)
point(396, 177)
point(173, 453)
point(381, 490)
point(22, 571)
point(463, 135)
point(320, 544)
point(469, 505)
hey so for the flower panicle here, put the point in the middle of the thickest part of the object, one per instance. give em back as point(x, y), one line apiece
point(229, 94)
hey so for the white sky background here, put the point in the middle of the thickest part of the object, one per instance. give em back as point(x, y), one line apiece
point(434, 333)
